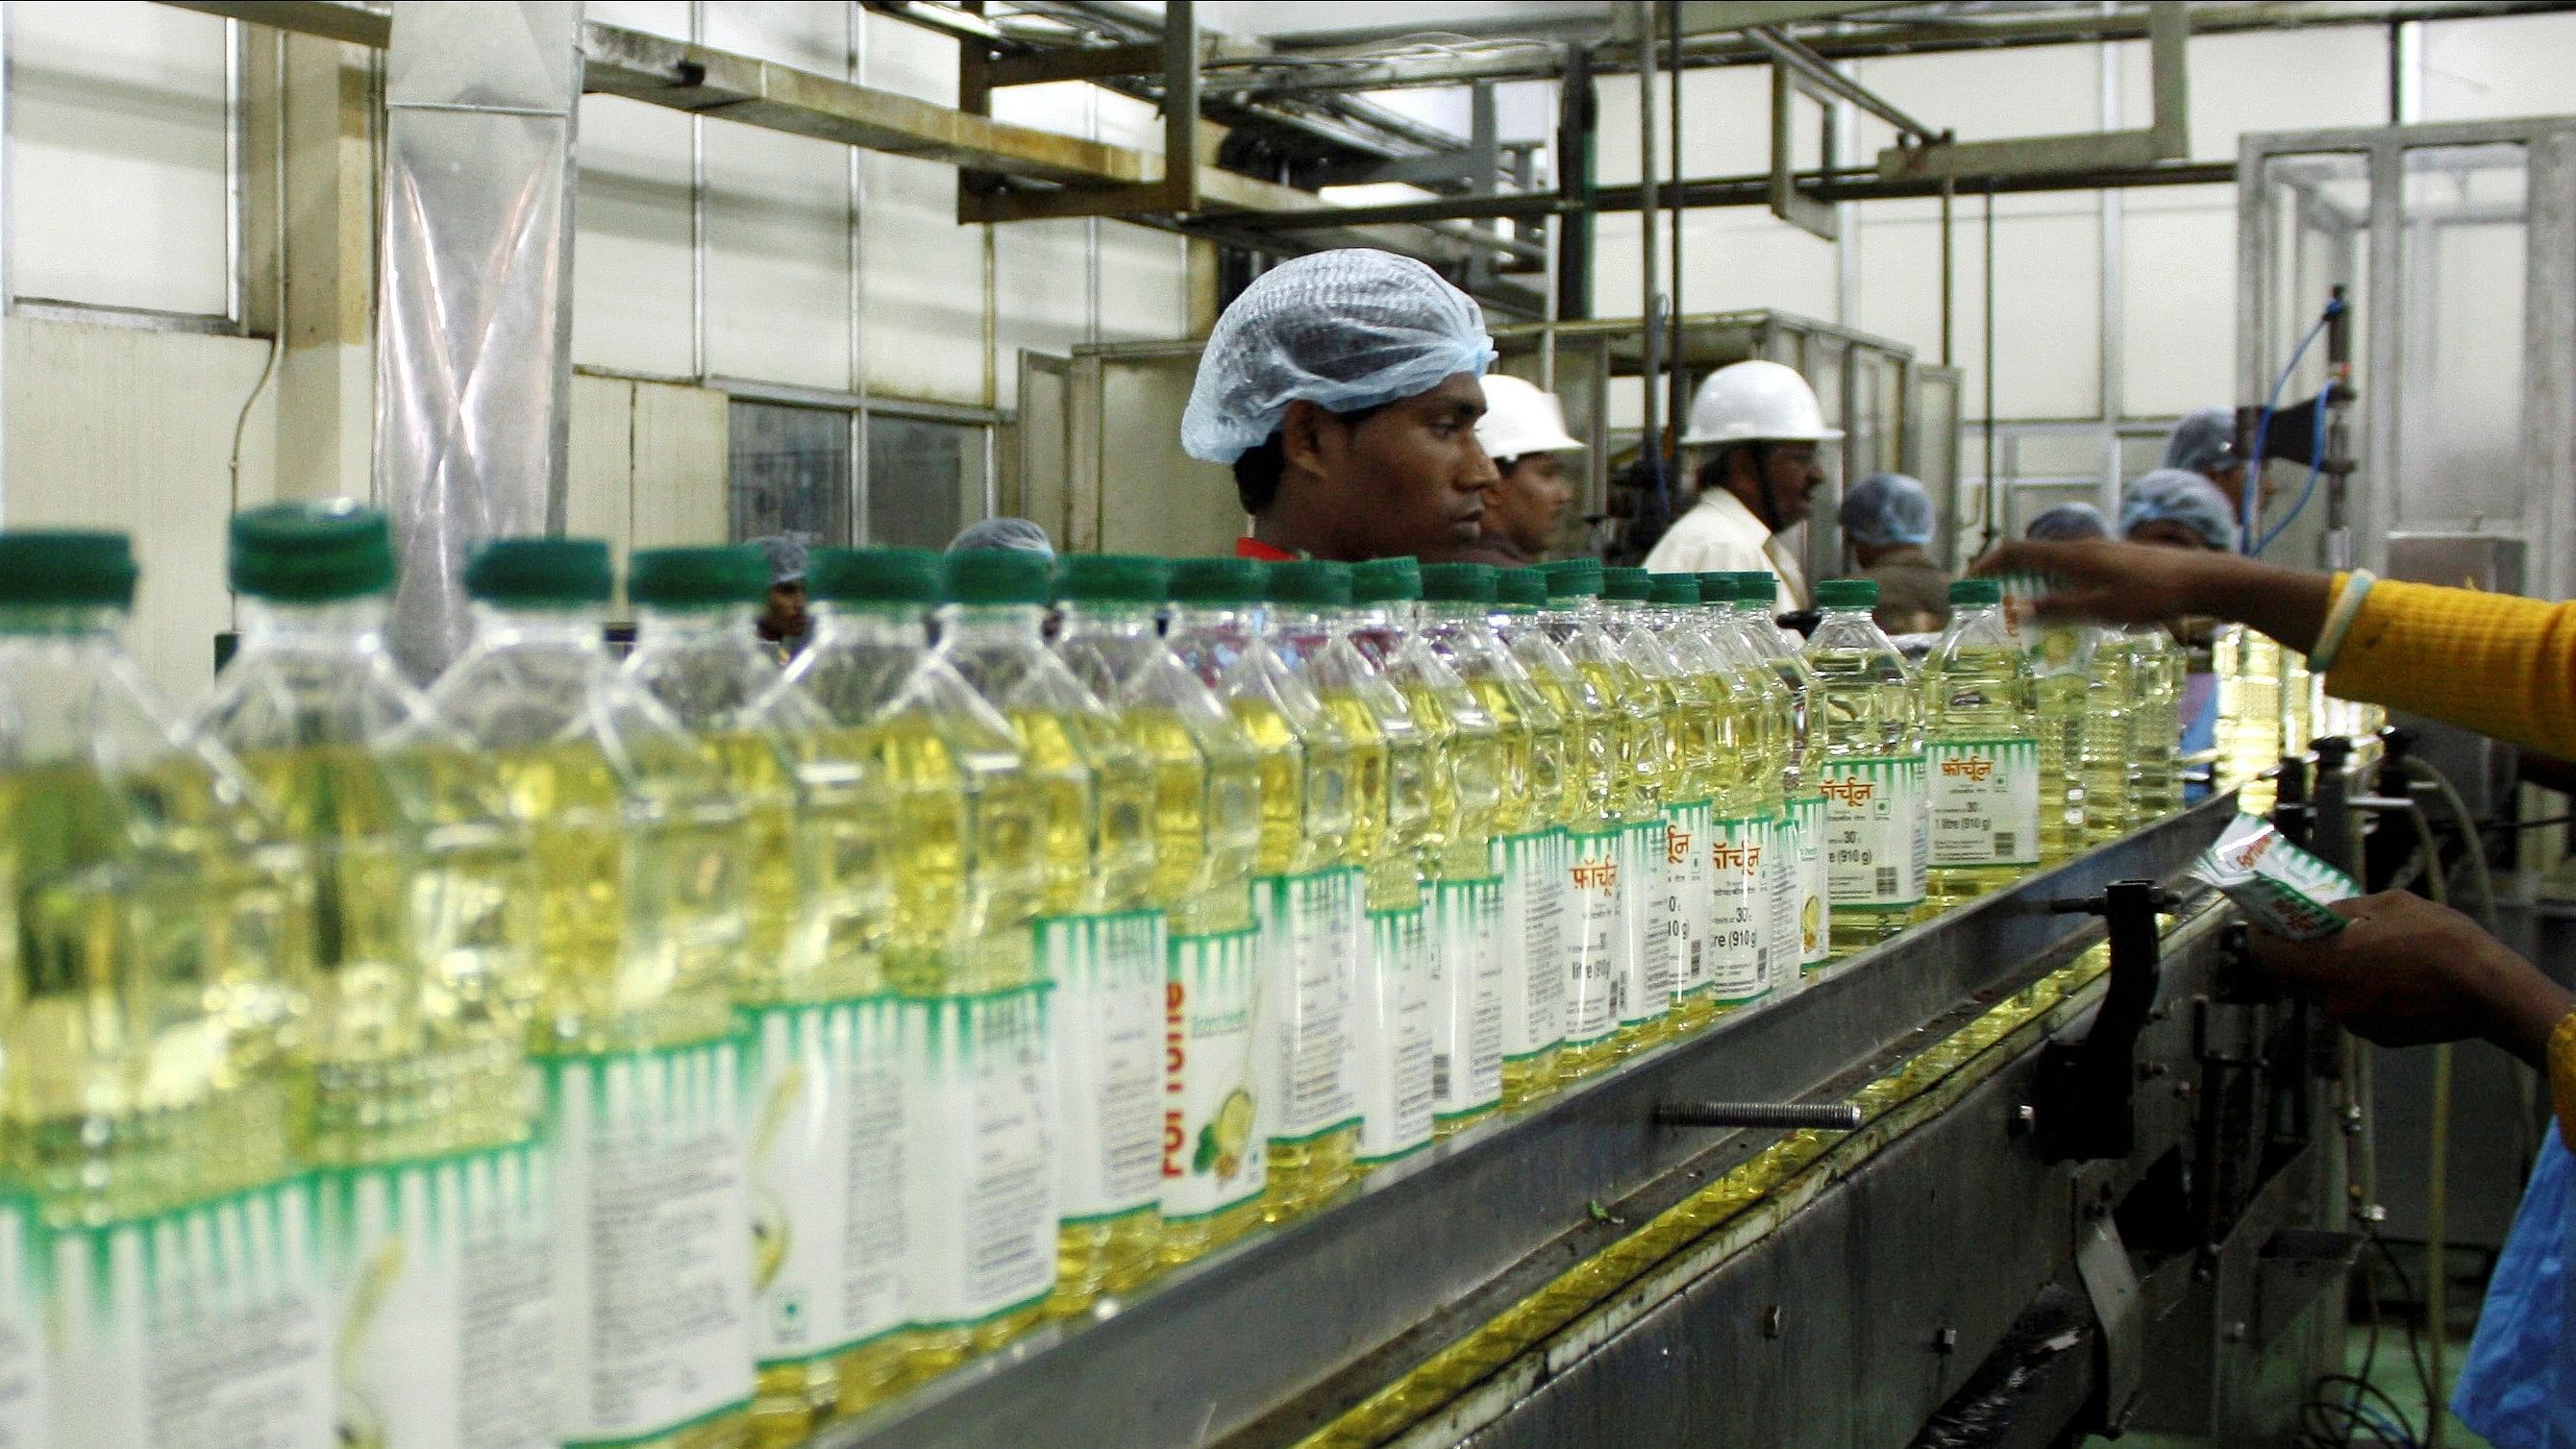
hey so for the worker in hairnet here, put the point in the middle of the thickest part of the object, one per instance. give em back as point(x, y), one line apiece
point(2177, 509)
point(782, 624)
point(1016, 533)
point(2204, 442)
point(1887, 520)
point(1342, 388)
point(2405, 971)
point(2068, 521)
point(1523, 431)
point(1762, 433)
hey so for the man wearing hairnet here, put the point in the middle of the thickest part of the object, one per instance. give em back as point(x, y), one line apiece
point(2068, 521)
point(2177, 509)
point(1016, 533)
point(1887, 519)
point(1342, 388)
point(2204, 442)
point(782, 622)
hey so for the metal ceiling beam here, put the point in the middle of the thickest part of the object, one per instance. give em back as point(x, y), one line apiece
point(1814, 69)
point(1720, 17)
point(2167, 138)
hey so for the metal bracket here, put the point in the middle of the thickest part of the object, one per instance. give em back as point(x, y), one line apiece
point(2087, 1089)
point(982, 196)
point(2111, 1282)
point(2168, 138)
point(1788, 202)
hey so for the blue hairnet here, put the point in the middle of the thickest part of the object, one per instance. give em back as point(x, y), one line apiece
point(1887, 508)
point(1344, 330)
point(1016, 533)
point(2203, 442)
point(2184, 497)
point(2068, 520)
point(786, 555)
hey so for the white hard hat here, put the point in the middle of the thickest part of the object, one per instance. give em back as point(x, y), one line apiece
point(1750, 402)
point(1520, 419)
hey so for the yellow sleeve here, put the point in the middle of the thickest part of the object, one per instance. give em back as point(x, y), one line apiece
point(2494, 663)
point(2562, 1076)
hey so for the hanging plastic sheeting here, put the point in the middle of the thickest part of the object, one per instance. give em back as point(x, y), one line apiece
point(473, 359)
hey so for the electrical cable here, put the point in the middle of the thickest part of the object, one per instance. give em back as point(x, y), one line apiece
point(2468, 825)
point(2316, 470)
point(2247, 491)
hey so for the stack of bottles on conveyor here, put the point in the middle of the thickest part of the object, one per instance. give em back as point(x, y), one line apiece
point(685, 1051)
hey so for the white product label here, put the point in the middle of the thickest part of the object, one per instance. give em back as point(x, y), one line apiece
point(1807, 814)
point(1391, 1035)
point(1984, 808)
point(652, 1240)
point(1784, 877)
point(1215, 1129)
point(1530, 941)
point(201, 1328)
point(1739, 857)
point(980, 1214)
point(1467, 1007)
point(1874, 837)
point(1596, 935)
point(1312, 941)
point(827, 1178)
point(1106, 1016)
point(442, 1286)
point(1647, 992)
point(25, 1411)
point(1689, 880)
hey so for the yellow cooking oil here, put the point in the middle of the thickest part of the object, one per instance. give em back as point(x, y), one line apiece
point(1769, 870)
point(1982, 743)
point(826, 1233)
point(1806, 923)
point(2155, 784)
point(2249, 669)
point(2061, 688)
point(1457, 857)
point(962, 851)
point(1206, 823)
point(1719, 863)
point(1528, 768)
point(1599, 732)
point(1307, 879)
point(2110, 734)
point(1652, 755)
point(1873, 766)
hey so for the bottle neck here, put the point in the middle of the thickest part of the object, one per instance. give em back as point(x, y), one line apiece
point(1212, 619)
point(352, 624)
point(99, 622)
point(577, 626)
point(870, 623)
point(1097, 619)
point(693, 628)
point(970, 626)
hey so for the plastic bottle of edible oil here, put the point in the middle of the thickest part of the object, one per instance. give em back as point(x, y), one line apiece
point(2155, 785)
point(1981, 737)
point(642, 874)
point(1873, 769)
point(423, 966)
point(1463, 889)
point(1651, 756)
point(2110, 733)
point(2248, 665)
point(1753, 860)
point(2059, 658)
point(1716, 738)
point(1526, 855)
point(1311, 623)
point(826, 1145)
point(149, 932)
point(1308, 887)
point(1100, 932)
point(1808, 911)
point(980, 1221)
point(1588, 898)
point(1213, 1158)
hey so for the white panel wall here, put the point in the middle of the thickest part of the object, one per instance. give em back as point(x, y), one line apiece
point(116, 131)
point(2477, 70)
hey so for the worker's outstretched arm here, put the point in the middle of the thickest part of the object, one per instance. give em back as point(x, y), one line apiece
point(2494, 663)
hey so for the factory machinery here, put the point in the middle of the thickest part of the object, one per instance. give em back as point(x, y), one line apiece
point(2054, 1164)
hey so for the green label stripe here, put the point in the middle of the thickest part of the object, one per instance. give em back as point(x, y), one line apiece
point(1088, 949)
point(799, 1360)
point(631, 1440)
point(680, 1091)
point(863, 1026)
point(952, 1029)
point(505, 1183)
point(239, 1248)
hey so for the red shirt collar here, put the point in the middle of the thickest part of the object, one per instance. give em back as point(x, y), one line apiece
point(1255, 548)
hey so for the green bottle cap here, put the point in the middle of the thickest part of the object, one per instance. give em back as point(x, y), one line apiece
point(1977, 592)
point(1520, 586)
point(541, 572)
point(1460, 583)
point(873, 575)
point(1216, 581)
point(1112, 578)
point(312, 553)
point(1847, 594)
point(683, 578)
point(1680, 589)
point(1574, 578)
point(66, 567)
point(1308, 581)
point(1627, 585)
point(1386, 581)
point(999, 576)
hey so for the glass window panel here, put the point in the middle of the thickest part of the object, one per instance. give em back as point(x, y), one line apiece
point(790, 472)
point(925, 480)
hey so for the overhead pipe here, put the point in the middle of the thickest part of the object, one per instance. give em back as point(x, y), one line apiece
point(474, 290)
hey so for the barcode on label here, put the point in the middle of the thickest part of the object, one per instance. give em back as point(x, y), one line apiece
point(1439, 1078)
point(2007, 844)
point(1887, 880)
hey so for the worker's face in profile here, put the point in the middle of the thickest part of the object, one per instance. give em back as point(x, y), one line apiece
point(2167, 533)
point(784, 616)
point(1409, 478)
point(1527, 502)
point(1791, 473)
point(2231, 481)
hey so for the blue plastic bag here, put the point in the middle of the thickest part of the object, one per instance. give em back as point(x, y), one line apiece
point(2519, 1387)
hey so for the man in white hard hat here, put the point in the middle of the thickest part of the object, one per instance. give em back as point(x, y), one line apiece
point(1762, 429)
point(1523, 431)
